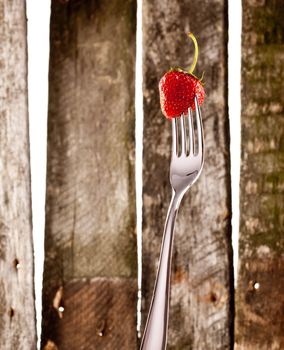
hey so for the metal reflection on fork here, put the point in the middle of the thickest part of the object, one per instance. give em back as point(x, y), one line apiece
point(185, 168)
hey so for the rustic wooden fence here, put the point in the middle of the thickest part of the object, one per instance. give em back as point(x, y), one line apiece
point(90, 278)
point(17, 311)
point(259, 296)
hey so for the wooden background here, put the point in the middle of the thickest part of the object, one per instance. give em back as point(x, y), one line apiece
point(17, 311)
point(260, 311)
point(90, 270)
point(90, 245)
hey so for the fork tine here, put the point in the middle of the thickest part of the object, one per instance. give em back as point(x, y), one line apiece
point(200, 140)
point(183, 137)
point(191, 132)
point(174, 136)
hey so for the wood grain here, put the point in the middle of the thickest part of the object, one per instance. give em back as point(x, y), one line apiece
point(17, 310)
point(260, 299)
point(201, 307)
point(95, 316)
point(90, 218)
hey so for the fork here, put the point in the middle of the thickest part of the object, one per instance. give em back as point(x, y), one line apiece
point(186, 164)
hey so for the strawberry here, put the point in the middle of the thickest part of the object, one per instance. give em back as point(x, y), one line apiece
point(177, 92)
point(178, 89)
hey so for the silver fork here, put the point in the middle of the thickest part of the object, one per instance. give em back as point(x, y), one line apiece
point(186, 165)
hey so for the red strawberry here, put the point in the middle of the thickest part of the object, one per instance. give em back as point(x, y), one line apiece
point(177, 92)
point(178, 89)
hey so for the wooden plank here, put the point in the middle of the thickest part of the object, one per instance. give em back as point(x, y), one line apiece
point(90, 218)
point(201, 308)
point(95, 315)
point(17, 310)
point(260, 298)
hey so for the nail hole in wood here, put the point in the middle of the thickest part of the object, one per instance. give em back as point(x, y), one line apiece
point(253, 286)
point(213, 297)
point(101, 329)
point(16, 264)
point(11, 312)
point(101, 333)
point(58, 302)
point(61, 309)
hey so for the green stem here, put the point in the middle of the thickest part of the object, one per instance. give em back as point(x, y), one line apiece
point(191, 69)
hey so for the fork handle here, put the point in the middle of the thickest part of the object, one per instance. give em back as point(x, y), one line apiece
point(155, 333)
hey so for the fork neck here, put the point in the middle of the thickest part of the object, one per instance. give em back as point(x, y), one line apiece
point(155, 334)
point(176, 198)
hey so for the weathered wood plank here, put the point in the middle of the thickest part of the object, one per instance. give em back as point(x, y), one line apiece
point(90, 229)
point(201, 312)
point(17, 310)
point(95, 316)
point(260, 298)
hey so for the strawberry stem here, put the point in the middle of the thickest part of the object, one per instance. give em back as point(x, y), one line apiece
point(191, 69)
